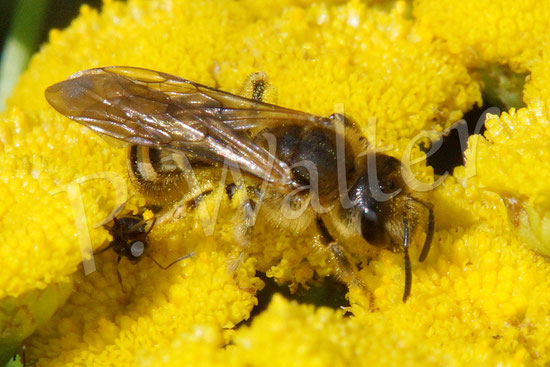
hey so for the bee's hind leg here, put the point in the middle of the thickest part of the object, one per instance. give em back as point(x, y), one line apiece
point(346, 271)
point(178, 209)
point(258, 88)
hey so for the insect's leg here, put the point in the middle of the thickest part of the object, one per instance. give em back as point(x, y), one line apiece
point(258, 88)
point(408, 272)
point(231, 190)
point(141, 223)
point(243, 231)
point(176, 211)
point(23, 358)
point(110, 229)
point(345, 270)
point(346, 120)
point(194, 202)
point(173, 262)
point(118, 274)
point(247, 211)
point(152, 225)
point(246, 217)
point(103, 249)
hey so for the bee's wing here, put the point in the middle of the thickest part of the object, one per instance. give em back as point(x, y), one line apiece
point(158, 110)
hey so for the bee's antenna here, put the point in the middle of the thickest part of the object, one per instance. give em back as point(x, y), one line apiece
point(408, 274)
point(173, 262)
point(429, 234)
point(429, 230)
point(118, 274)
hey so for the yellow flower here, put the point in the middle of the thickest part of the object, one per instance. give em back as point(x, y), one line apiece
point(502, 40)
point(484, 31)
point(537, 88)
point(500, 163)
point(480, 297)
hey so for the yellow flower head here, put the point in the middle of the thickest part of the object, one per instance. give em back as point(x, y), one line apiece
point(484, 31)
point(480, 297)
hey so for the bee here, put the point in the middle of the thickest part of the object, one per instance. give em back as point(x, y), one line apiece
point(129, 239)
point(290, 159)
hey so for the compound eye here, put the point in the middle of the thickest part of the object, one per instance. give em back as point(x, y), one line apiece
point(137, 249)
point(371, 228)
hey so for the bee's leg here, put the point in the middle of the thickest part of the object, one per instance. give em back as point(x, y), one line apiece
point(247, 212)
point(258, 88)
point(246, 217)
point(243, 231)
point(231, 189)
point(345, 270)
point(176, 211)
point(194, 202)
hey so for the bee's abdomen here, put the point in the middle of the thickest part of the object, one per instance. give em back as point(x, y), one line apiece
point(155, 176)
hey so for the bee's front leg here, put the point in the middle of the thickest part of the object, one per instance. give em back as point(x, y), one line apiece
point(346, 271)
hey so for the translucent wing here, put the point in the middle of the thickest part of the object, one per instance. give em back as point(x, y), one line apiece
point(158, 110)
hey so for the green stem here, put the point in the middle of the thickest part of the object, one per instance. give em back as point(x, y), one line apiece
point(20, 44)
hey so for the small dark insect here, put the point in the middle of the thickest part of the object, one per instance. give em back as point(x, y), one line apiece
point(129, 234)
point(290, 160)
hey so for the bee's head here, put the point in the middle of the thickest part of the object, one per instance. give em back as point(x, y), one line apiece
point(388, 214)
point(374, 193)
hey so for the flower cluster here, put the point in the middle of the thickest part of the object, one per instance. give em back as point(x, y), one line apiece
point(480, 297)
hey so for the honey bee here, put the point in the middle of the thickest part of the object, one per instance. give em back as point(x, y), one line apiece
point(129, 239)
point(290, 159)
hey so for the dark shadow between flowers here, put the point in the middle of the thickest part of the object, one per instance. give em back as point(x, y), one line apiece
point(327, 292)
point(503, 89)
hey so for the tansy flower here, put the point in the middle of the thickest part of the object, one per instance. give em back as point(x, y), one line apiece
point(502, 40)
point(483, 31)
point(480, 297)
